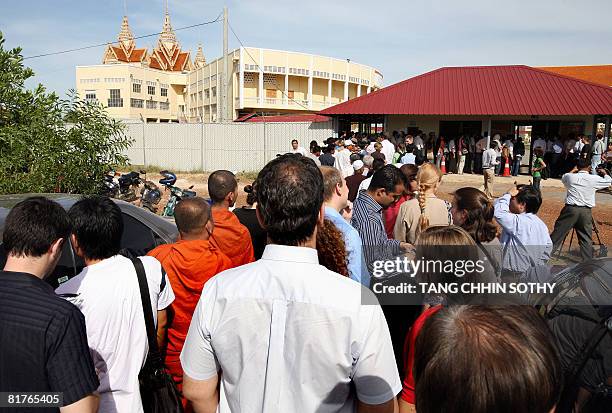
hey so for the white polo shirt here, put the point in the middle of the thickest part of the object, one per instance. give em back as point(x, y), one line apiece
point(291, 336)
point(108, 295)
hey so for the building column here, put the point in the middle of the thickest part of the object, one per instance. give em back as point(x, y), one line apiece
point(329, 90)
point(346, 83)
point(241, 81)
point(261, 73)
point(359, 90)
point(286, 95)
point(368, 89)
point(310, 83)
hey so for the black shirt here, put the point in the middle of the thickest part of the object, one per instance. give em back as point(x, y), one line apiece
point(43, 341)
point(259, 236)
point(327, 159)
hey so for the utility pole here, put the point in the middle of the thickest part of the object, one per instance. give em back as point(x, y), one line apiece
point(225, 107)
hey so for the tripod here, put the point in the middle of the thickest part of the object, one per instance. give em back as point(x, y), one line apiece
point(603, 250)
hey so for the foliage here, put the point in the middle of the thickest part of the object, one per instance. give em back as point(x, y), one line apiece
point(49, 144)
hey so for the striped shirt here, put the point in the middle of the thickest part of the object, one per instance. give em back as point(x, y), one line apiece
point(43, 341)
point(368, 221)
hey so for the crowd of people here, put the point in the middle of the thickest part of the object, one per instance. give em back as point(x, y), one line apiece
point(268, 307)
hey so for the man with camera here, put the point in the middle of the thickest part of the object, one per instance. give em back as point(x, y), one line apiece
point(579, 201)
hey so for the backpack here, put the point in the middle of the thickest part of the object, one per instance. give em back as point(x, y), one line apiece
point(585, 291)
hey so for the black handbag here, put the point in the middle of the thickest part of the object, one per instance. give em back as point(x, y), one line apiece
point(157, 388)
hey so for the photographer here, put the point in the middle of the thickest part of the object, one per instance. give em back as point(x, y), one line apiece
point(580, 199)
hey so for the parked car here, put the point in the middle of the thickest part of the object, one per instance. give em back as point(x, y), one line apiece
point(142, 232)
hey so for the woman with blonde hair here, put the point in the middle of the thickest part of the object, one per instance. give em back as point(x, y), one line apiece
point(425, 210)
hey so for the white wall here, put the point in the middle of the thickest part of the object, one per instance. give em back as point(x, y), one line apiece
point(211, 146)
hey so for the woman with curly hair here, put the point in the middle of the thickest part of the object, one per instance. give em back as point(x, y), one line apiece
point(473, 211)
point(425, 210)
point(331, 248)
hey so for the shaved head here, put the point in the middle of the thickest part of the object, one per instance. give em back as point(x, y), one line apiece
point(221, 183)
point(191, 216)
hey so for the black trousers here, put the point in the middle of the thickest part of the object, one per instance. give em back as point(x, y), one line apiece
point(580, 219)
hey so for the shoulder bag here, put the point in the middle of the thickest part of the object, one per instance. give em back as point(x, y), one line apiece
point(157, 388)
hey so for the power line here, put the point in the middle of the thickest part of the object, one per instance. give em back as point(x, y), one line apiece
point(261, 70)
point(107, 43)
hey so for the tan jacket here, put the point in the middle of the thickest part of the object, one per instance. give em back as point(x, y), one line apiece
point(408, 217)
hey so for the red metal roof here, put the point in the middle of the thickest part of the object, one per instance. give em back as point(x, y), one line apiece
point(484, 90)
point(301, 117)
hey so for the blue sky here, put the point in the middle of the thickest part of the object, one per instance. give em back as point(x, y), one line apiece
point(400, 38)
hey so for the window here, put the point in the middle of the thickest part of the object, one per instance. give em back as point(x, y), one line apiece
point(182, 108)
point(200, 95)
point(151, 90)
point(90, 96)
point(114, 79)
point(162, 91)
point(136, 88)
point(151, 104)
point(115, 100)
point(207, 93)
point(136, 103)
point(164, 106)
point(214, 92)
point(96, 80)
point(271, 93)
point(290, 94)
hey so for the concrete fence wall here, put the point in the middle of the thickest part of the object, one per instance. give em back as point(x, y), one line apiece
point(210, 146)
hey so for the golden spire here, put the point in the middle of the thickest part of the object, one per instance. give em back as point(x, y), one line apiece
point(200, 60)
point(125, 35)
point(167, 35)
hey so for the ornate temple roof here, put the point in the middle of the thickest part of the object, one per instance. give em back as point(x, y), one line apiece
point(125, 51)
point(167, 54)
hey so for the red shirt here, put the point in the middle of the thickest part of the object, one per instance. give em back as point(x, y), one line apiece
point(408, 387)
point(390, 215)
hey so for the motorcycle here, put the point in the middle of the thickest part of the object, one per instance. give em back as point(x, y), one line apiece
point(128, 184)
point(176, 193)
point(150, 196)
point(110, 185)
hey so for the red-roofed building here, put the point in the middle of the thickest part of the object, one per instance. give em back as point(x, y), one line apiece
point(504, 100)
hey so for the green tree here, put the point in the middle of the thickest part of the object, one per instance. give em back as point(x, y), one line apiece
point(48, 144)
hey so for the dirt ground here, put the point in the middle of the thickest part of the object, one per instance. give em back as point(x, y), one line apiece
point(552, 189)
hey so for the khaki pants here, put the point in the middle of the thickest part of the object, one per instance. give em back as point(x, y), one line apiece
point(489, 176)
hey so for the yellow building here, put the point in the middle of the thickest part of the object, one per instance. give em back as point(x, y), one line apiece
point(276, 82)
point(165, 86)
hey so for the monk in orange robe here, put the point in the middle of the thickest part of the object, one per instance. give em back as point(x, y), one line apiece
point(190, 263)
point(230, 235)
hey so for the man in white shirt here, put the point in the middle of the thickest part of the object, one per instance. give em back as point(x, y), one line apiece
point(420, 145)
point(343, 159)
point(489, 160)
point(296, 148)
point(388, 149)
point(579, 201)
point(288, 334)
point(599, 147)
point(108, 294)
